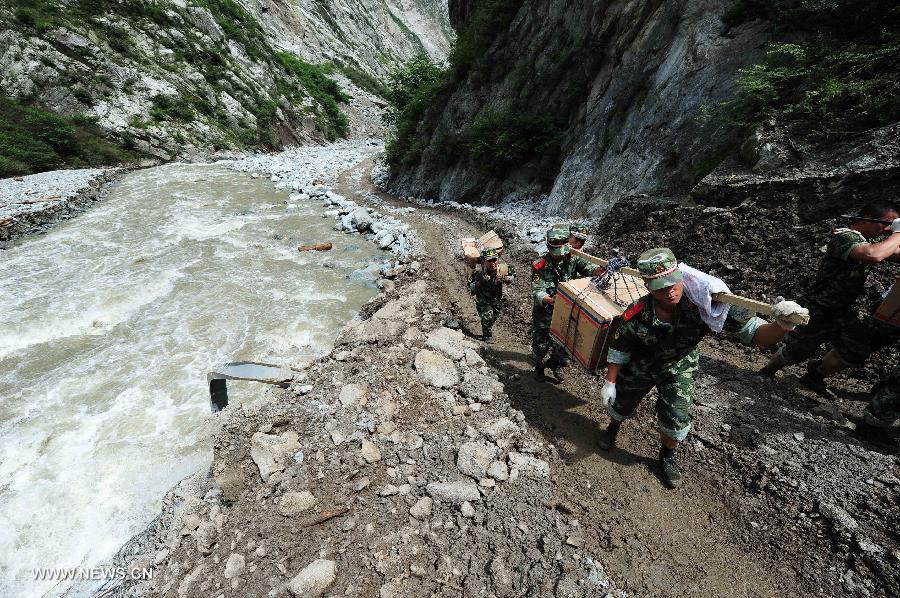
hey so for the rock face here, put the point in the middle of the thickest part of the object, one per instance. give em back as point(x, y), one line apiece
point(631, 80)
point(183, 77)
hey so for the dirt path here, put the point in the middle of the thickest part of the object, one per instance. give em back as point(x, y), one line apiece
point(654, 542)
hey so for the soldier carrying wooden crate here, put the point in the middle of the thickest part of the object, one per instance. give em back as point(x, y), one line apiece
point(488, 278)
point(658, 346)
point(554, 267)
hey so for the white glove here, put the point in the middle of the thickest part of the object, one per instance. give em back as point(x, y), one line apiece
point(785, 309)
point(608, 392)
point(895, 225)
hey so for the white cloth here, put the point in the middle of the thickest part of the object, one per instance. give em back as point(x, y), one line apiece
point(699, 288)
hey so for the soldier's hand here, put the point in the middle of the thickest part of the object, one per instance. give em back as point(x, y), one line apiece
point(548, 300)
point(784, 310)
point(895, 225)
point(608, 392)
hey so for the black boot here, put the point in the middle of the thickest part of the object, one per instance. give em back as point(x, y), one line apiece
point(486, 334)
point(775, 364)
point(539, 371)
point(671, 475)
point(559, 374)
point(814, 380)
point(607, 439)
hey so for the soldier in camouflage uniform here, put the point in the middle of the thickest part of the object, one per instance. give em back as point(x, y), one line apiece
point(658, 345)
point(838, 284)
point(578, 235)
point(556, 266)
point(486, 286)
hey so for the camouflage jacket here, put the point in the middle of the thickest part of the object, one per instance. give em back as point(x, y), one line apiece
point(546, 275)
point(648, 341)
point(840, 279)
point(489, 286)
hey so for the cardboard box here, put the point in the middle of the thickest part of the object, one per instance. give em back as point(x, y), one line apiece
point(585, 319)
point(889, 310)
point(490, 240)
point(472, 247)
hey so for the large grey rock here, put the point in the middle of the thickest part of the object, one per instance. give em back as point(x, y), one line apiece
point(361, 219)
point(474, 458)
point(313, 580)
point(478, 388)
point(501, 428)
point(234, 566)
point(436, 369)
point(451, 343)
point(272, 452)
point(454, 492)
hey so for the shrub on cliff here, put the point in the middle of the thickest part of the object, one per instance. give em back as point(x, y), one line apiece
point(840, 71)
point(412, 90)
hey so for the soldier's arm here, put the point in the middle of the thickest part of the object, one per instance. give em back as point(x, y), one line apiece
point(621, 348)
point(584, 268)
point(873, 253)
point(539, 288)
point(753, 330)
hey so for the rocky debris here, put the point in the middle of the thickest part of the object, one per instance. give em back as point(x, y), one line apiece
point(418, 497)
point(234, 566)
point(313, 580)
point(34, 203)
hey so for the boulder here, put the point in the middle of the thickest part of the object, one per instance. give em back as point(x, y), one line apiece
point(474, 458)
point(501, 428)
point(435, 369)
point(313, 580)
point(272, 452)
point(361, 219)
point(421, 510)
point(478, 388)
point(234, 566)
point(451, 343)
point(454, 492)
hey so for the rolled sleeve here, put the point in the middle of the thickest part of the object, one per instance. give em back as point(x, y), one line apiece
point(539, 297)
point(618, 357)
point(748, 331)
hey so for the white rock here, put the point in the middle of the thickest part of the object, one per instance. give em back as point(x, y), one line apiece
point(467, 509)
point(454, 492)
point(451, 343)
point(352, 395)
point(435, 369)
point(498, 471)
point(271, 452)
point(234, 566)
point(313, 580)
point(422, 509)
point(474, 458)
point(478, 388)
point(473, 359)
point(369, 451)
point(529, 466)
point(294, 503)
point(501, 428)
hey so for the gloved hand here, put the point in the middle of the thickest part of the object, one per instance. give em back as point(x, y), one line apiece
point(608, 392)
point(784, 309)
point(895, 225)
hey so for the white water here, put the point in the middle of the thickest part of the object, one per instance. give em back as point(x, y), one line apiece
point(108, 325)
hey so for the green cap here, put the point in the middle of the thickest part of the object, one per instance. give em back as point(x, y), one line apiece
point(557, 234)
point(491, 254)
point(659, 268)
point(579, 231)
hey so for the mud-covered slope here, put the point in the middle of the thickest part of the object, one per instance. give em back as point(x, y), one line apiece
point(182, 77)
point(621, 88)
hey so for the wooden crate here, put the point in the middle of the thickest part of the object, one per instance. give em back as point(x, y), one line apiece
point(584, 319)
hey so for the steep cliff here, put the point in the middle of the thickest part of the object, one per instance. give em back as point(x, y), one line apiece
point(590, 101)
point(180, 77)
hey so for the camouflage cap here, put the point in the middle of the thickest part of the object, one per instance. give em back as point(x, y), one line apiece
point(659, 268)
point(490, 254)
point(579, 231)
point(557, 234)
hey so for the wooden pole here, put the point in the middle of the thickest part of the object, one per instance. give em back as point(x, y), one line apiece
point(753, 305)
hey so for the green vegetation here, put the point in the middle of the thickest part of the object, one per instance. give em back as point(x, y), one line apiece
point(364, 80)
point(324, 90)
point(168, 108)
point(840, 73)
point(500, 140)
point(34, 140)
point(412, 90)
point(489, 19)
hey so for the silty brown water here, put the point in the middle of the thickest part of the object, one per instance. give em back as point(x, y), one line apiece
point(108, 326)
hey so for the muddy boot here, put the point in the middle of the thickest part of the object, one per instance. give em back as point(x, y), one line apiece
point(671, 475)
point(869, 430)
point(539, 372)
point(775, 364)
point(486, 335)
point(559, 374)
point(814, 380)
point(607, 439)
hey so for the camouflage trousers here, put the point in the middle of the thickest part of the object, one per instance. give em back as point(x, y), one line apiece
point(858, 340)
point(541, 343)
point(805, 342)
point(884, 409)
point(675, 389)
point(488, 310)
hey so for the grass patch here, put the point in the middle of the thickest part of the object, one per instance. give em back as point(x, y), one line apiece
point(412, 90)
point(34, 140)
point(364, 80)
point(324, 90)
point(502, 140)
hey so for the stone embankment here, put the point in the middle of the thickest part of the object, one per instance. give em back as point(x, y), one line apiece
point(31, 204)
point(394, 466)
